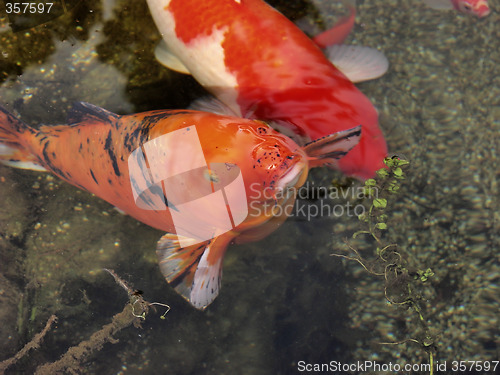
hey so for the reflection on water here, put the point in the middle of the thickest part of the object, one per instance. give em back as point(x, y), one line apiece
point(283, 299)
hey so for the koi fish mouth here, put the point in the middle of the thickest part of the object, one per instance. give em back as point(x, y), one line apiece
point(293, 176)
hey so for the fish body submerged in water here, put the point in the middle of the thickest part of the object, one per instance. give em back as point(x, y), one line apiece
point(479, 8)
point(261, 66)
point(201, 177)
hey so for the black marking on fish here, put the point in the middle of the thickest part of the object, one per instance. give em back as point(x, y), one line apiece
point(86, 112)
point(149, 121)
point(44, 152)
point(140, 134)
point(170, 204)
point(127, 144)
point(335, 155)
point(154, 116)
point(47, 162)
point(132, 141)
point(108, 147)
point(135, 139)
point(14, 123)
point(179, 278)
point(146, 199)
point(95, 179)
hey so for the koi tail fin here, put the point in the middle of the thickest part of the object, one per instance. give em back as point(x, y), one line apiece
point(13, 151)
point(193, 268)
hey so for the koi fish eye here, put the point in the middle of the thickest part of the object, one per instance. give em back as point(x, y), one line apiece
point(466, 7)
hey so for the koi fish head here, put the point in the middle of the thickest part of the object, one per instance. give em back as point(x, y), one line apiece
point(280, 162)
point(479, 8)
point(248, 166)
point(244, 158)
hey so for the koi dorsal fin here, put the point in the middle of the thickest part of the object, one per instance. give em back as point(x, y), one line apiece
point(193, 268)
point(86, 112)
point(328, 149)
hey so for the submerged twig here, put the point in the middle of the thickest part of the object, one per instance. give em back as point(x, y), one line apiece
point(136, 298)
point(137, 307)
point(76, 355)
point(33, 344)
point(121, 282)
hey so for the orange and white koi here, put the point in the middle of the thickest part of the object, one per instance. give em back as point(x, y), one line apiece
point(261, 66)
point(479, 8)
point(201, 177)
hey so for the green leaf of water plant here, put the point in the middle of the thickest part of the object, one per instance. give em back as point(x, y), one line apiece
point(380, 203)
point(398, 172)
point(356, 234)
point(401, 162)
point(393, 188)
point(389, 162)
point(368, 191)
point(382, 173)
point(371, 182)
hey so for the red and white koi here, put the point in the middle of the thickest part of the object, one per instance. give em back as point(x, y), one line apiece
point(479, 8)
point(133, 163)
point(261, 66)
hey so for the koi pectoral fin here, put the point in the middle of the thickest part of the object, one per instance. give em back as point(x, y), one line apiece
point(339, 32)
point(193, 268)
point(358, 63)
point(328, 149)
point(168, 59)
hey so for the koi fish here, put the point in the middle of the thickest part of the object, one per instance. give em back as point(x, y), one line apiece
point(201, 177)
point(479, 8)
point(261, 66)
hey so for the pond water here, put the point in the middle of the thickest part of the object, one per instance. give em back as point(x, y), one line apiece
point(428, 291)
